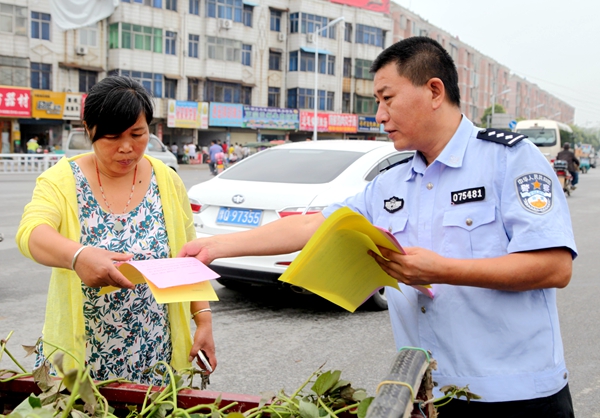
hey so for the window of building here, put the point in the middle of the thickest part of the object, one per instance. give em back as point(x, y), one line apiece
point(193, 92)
point(195, 7)
point(14, 71)
point(274, 96)
point(41, 76)
point(347, 67)
point(308, 23)
point(153, 3)
point(86, 80)
point(194, 46)
point(300, 98)
point(274, 61)
point(170, 88)
point(225, 9)
point(13, 19)
point(88, 36)
point(275, 20)
point(294, 22)
point(40, 26)
point(170, 42)
point(306, 61)
point(224, 49)
point(171, 5)
point(152, 82)
point(348, 32)
point(361, 69)
point(247, 54)
point(369, 35)
point(454, 52)
point(217, 91)
point(327, 64)
point(365, 105)
point(346, 103)
point(325, 100)
point(135, 37)
point(247, 15)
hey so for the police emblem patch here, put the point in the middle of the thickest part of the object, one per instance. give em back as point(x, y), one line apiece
point(393, 204)
point(535, 192)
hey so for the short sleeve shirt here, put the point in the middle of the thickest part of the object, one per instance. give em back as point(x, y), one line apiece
point(478, 199)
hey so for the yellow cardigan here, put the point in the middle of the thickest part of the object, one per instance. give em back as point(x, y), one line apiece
point(54, 203)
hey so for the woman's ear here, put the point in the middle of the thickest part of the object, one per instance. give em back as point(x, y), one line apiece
point(438, 91)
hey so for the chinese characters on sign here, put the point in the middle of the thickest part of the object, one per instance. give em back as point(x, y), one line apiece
point(329, 122)
point(225, 114)
point(182, 114)
point(270, 118)
point(14, 102)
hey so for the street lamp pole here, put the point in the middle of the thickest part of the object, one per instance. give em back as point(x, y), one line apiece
point(316, 36)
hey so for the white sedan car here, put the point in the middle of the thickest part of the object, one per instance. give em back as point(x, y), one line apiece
point(287, 180)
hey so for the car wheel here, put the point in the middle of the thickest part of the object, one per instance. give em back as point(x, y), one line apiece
point(377, 302)
point(233, 284)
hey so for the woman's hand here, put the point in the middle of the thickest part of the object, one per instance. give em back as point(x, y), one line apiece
point(96, 268)
point(203, 340)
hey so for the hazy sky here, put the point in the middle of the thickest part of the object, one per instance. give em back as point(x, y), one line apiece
point(552, 43)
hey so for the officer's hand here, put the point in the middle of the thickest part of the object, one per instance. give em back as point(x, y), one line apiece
point(417, 266)
point(199, 248)
point(96, 268)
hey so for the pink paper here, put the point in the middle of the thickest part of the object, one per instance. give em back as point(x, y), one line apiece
point(169, 272)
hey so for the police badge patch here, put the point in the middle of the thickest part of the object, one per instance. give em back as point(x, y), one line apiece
point(393, 204)
point(535, 192)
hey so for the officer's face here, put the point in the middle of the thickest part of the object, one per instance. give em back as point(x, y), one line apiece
point(403, 108)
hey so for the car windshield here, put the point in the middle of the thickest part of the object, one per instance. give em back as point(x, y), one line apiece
point(292, 166)
point(154, 145)
point(540, 136)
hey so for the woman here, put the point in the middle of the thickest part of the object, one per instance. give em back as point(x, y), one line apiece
point(108, 206)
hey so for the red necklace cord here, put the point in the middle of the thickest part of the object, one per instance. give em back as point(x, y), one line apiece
point(102, 190)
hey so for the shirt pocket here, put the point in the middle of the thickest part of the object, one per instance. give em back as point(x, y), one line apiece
point(470, 231)
point(396, 223)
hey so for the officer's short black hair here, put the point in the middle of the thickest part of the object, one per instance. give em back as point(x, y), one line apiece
point(420, 59)
point(566, 145)
point(114, 104)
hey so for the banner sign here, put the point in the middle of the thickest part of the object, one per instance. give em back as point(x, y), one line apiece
point(182, 114)
point(15, 102)
point(368, 124)
point(270, 118)
point(56, 105)
point(375, 5)
point(73, 106)
point(328, 122)
point(226, 114)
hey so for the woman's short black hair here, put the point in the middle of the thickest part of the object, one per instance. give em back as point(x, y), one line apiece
point(114, 104)
point(420, 59)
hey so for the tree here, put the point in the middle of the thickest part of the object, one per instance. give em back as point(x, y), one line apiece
point(498, 108)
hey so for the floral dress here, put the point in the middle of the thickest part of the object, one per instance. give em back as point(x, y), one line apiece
point(126, 332)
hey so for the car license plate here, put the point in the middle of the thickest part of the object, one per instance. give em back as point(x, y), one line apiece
point(239, 217)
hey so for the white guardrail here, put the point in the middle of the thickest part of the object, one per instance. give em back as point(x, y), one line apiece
point(27, 163)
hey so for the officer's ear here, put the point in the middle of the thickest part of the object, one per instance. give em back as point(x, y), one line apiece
point(438, 91)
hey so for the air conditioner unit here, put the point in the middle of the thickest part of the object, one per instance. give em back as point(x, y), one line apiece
point(81, 50)
point(281, 36)
point(226, 23)
point(310, 37)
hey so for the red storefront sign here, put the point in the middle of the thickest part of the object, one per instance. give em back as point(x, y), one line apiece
point(15, 102)
point(329, 122)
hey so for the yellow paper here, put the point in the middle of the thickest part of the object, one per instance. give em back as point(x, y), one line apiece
point(335, 265)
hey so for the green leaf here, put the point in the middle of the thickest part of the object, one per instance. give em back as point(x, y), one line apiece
point(363, 407)
point(234, 415)
point(42, 378)
point(341, 383)
point(359, 395)
point(69, 379)
point(58, 362)
point(215, 414)
point(308, 409)
point(326, 381)
point(34, 401)
point(348, 393)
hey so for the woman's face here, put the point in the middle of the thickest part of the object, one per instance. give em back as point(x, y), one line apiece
point(118, 154)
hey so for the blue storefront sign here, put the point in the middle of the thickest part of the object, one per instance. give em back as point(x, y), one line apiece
point(226, 114)
point(270, 118)
point(368, 124)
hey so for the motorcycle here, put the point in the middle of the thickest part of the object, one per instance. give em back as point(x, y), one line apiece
point(564, 177)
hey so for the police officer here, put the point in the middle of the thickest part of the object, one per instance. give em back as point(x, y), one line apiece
point(481, 219)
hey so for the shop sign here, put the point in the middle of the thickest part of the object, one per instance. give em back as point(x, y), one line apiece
point(368, 124)
point(377, 5)
point(73, 106)
point(226, 114)
point(328, 122)
point(270, 118)
point(15, 102)
point(55, 105)
point(182, 114)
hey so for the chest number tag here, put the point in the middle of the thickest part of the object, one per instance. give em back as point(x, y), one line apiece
point(468, 195)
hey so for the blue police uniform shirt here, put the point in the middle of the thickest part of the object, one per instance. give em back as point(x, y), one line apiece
point(478, 199)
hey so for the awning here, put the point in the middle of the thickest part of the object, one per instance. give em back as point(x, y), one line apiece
point(279, 50)
point(74, 66)
point(227, 80)
point(173, 76)
point(250, 3)
point(312, 50)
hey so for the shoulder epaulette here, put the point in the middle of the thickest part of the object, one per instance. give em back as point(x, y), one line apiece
point(499, 136)
point(403, 161)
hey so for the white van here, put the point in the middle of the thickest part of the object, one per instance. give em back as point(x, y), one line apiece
point(548, 135)
point(78, 142)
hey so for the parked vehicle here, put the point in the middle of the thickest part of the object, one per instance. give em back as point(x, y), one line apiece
point(584, 164)
point(564, 177)
point(78, 142)
point(287, 180)
point(548, 135)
